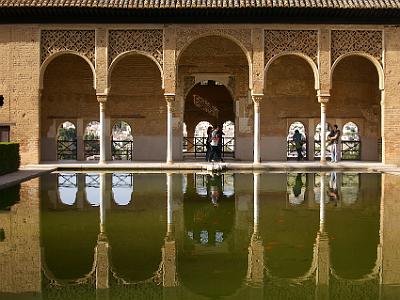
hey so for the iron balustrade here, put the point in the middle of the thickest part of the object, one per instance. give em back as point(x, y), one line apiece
point(317, 149)
point(91, 149)
point(122, 150)
point(351, 150)
point(67, 150)
point(292, 152)
point(198, 146)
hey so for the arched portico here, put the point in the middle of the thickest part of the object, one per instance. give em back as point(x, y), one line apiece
point(136, 96)
point(356, 97)
point(213, 62)
point(291, 80)
point(67, 80)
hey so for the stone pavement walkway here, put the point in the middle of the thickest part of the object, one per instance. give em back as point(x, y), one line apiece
point(22, 175)
point(230, 165)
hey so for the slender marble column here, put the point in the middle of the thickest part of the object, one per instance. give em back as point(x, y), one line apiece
point(169, 98)
point(257, 152)
point(102, 99)
point(323, 99)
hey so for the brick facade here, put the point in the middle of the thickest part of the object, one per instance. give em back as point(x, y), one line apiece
point(43, 90)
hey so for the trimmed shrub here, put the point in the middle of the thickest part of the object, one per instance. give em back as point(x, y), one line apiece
point(9, 196)
point(9, 157)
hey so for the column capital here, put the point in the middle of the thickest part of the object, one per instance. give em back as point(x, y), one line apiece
point(323, 97)
point(102, 97)
point(257, 98)
point(169, 98)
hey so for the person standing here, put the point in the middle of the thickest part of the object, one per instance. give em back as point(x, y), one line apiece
point(220, 143)
point(208, 142)
point(214, 144)
point(334, 139)
point(298, 141)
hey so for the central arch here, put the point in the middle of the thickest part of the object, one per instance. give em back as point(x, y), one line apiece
point(210, 102)
point(213, 86)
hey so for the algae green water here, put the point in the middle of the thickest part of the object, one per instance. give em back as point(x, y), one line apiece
point(201, 236)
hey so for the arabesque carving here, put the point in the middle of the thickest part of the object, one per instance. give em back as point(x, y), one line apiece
point(149, 41)
point(80, 41)
point(286, 41)
point(346, 41)
point(184, 36)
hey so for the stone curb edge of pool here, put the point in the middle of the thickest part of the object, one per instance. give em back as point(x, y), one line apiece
point(31, 171)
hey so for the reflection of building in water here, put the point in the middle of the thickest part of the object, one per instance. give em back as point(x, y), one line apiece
point(71, 189)
point(350, 188)
point(296, 188)
point(122, 188)
point(118, 247)
point(20, 253)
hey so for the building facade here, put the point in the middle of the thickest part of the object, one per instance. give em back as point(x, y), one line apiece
point(161, 66)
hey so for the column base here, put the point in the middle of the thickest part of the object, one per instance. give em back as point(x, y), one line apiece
point(323, 161)
point(102, 162)
point(170, 162)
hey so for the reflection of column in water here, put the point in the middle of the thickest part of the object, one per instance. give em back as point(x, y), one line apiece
point(170, 207)
point(80, 196)
point(102, 247)
point(255, 271)
point(169, 248)
point(323, 251)
point(103, 198)
point(322, 201)
point(256, 187)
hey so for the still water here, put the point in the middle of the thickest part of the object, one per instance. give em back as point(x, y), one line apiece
point(201, 236)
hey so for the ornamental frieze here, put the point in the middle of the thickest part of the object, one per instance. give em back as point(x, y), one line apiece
point(80, 41)
point(149, 41)
point(277, 42)
point(186, 35)
point(347, 41)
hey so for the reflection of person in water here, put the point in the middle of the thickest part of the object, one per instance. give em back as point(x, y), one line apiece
point(297, 190)
point(333, 191)
point(215, 187)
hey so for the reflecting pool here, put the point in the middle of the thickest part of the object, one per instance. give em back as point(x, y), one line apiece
point(201, 236)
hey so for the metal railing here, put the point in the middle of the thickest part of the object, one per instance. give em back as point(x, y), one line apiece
point(198, 146)
point(91, 149)
point(291, 152)
point(67, 150)
point(317, 149)
point(122, 150)
point(351, 150)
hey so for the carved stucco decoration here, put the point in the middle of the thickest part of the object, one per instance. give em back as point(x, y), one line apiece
point(346, 41)
point(149, 41)
point(80, 41)
point(288, 41)
point(185, 36)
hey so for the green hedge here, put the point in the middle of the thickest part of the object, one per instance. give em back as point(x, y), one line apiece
point(9, 157)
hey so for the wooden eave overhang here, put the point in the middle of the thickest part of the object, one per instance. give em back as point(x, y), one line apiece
point(201, 11)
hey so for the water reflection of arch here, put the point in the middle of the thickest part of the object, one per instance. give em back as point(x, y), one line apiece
point(122, 188)
point(137, 235)
point(67, 188)
point(68, 238)
point(210, 264)
point(92, 188)
point(351, 230)
point(288, 233)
